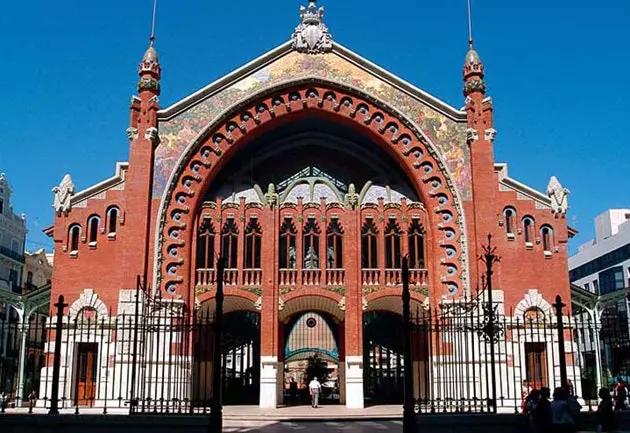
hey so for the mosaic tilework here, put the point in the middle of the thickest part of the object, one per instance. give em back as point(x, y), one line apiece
point(177, 133)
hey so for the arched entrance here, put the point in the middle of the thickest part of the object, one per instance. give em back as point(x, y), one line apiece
point(383, 353)
point(311, 192)
point(311, 350)
point(241, 358)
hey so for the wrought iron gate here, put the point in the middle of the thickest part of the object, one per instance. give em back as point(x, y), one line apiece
point(383, 361)
point(241, 358)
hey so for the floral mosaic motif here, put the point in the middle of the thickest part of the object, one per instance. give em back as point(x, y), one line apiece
point(448, 135)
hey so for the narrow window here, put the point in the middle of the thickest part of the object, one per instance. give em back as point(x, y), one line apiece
point(229, 237)
point(1, 206)
point(112, 217)
point(369, 239)
point(546, 238)
point(74, 234)
point(93, 223)
point(528, 229)
point(29, 280)
point(205, 245)
point(393, 253)
point(510, 215)
point(334, 235)
point(416, 245)
point(287, 245)
point(253, 241)
point(311, 244)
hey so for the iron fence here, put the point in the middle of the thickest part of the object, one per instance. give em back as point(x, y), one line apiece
point(157, 356)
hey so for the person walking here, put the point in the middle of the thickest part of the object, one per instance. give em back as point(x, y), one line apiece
point(314, 388)
point(605, 416)
point(561, 415)
point(621, 394)
point(292, 390)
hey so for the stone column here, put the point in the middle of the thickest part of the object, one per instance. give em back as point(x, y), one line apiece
point(269, 324)
point(353, 331)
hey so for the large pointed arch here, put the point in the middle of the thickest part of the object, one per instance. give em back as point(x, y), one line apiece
point(385, 126)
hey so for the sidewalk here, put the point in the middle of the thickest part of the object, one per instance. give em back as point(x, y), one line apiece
point(323, 413)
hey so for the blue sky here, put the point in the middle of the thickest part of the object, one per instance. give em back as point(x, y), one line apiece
point(556, 70)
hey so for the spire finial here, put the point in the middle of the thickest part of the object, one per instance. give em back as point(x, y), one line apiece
point(470, 31)
point(152, 37)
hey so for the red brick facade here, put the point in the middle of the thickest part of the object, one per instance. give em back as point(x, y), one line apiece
point(158, 238)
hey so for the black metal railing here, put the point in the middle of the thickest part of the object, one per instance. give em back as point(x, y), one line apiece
point(8, 252)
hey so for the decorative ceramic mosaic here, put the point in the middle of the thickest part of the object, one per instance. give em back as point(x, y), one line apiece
point(449, 136)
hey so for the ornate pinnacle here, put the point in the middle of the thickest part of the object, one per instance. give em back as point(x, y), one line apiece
point(311, 35)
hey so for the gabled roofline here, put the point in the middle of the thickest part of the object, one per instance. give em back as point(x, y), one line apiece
point(270, 56)
point(502, 170)
point(119, 177)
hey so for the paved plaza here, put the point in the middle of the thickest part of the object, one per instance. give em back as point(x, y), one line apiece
point(323, 426)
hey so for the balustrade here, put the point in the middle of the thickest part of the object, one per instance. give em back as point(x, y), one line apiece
point(288, 277)
point(230, 277)
point(418, 277)
point(252, 277)
point(311, 277)
point(205, 277)
point(370, 277)
point(393, 277)
point(335, 277)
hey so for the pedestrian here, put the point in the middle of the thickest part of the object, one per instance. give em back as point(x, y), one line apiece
point(561, 415)
point(314, 388)
point(621, 394)
point(542, 412)
point(525, 390)
point(292, 390)
point(605, 416)
point(530, 408)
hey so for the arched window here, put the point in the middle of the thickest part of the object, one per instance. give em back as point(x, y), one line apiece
point(534, 315)
point(205, 245)
point(528, 229)
point(29, 280)
point(287, 245)
point(509, 214)
point(253, 241)
point(546, 233)
point(369, 240)
point(334, 243)
point(229, 247)
point(416, 245)
point(74, 234)
point(311, 244)
point(393, 253)
point(92, 223)
point(112, 220)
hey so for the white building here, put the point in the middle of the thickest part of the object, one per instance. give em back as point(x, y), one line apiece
point(12, 240)
point(599, 274)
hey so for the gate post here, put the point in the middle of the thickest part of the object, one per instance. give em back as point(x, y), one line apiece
point(489, 258)
point(54, 397)
point(558, 306)
point(216, 409)
point(408, 406)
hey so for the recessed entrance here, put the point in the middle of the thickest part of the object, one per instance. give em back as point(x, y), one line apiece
point(383, 355)
point(310, 351)
point(86, 368)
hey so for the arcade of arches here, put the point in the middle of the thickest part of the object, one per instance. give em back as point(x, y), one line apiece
point(344, 216)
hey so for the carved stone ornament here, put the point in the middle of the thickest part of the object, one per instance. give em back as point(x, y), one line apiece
point(474, 86)
point(152, 135)
point(132, 133)
point(311, 35)
point(490, 134)
point(63, 194)
point(352, 198)
point(559, 197)
point(472, 135)
point(271, 197)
